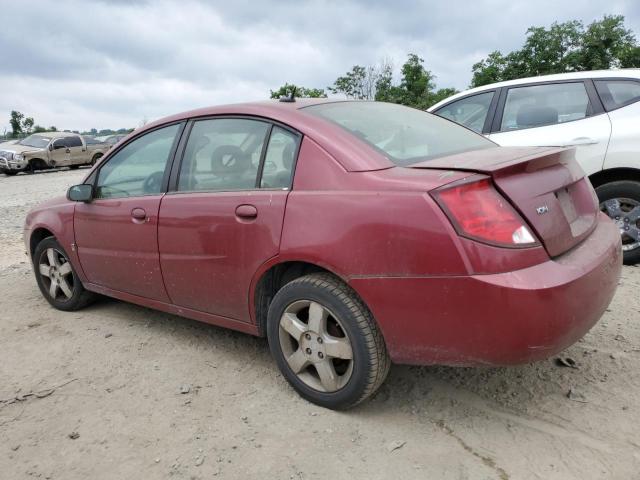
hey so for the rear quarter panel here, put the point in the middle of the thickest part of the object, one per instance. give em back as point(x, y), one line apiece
point(624, 146)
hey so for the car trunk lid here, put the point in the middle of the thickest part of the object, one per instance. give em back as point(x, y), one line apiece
point(545, 185)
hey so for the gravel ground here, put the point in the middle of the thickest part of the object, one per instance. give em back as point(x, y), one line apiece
point(120, 391)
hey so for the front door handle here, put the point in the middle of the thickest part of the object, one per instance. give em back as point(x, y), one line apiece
point(246, 211)
point(68, 150)
point(138, 214)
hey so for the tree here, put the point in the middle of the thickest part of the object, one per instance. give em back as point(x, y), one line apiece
point(38, 129)
point(300, 92)
point(563, 47)
point(27, 125)
point(52, 129)
point(16, 123)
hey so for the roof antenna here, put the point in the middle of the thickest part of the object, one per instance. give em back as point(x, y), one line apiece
point(291, 97)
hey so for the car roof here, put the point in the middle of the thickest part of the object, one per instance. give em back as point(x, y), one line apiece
point(54, 134)
point(352, 153)
point(619, 73)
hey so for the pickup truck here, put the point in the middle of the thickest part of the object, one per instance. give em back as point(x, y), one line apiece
point(46, 150)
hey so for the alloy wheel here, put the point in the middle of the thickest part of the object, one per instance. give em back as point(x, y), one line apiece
point(57, 274)
point(315, 346)
point(625, 212)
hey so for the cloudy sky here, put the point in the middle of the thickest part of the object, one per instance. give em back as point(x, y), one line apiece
point(84, 64)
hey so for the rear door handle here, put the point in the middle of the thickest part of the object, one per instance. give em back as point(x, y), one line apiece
point(246, 211)
point(139, 214)
point(581, 141)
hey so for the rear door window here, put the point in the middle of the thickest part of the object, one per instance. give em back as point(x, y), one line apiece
point(617, 93)
point(73, 142)
point(279, 160)
point(539, 105)
point(469, 111)
point(223, 154)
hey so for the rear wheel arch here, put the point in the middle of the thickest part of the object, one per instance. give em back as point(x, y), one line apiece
point(614, 175)
point(270, 281)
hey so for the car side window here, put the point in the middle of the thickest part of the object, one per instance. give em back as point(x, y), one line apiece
point(59, 143)
point(222, 154)
point(73, 142)
point(138, 168)
point(617, 93)
point(279, 160)
point(539, 105)
point(469, 111)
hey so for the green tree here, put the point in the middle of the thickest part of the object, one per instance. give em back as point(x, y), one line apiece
point(16, 123)
point(563, 47)
point(52, 129)
point(27, 124)
point(300, 92)
point(38, 129)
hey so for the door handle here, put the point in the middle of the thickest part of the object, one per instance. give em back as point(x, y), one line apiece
point(581, 141)
point(138, 214)
point(68, 150)
point(246, 211)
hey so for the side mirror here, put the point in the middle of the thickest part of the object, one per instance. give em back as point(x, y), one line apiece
point(80, 193)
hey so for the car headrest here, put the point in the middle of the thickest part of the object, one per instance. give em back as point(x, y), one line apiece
point(228, 159)
point(534, 116)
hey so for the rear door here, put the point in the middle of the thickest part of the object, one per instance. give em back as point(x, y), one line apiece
point(117, 233)
point(554, 114)
point(474, 111)
point(224, 218)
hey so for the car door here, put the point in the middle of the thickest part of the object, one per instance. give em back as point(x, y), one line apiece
point(224, 218)
point(60, 155)
point(76, 150)
point(117, 233)
point(554, 114)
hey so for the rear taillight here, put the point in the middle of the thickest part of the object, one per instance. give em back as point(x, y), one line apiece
point(479, 212)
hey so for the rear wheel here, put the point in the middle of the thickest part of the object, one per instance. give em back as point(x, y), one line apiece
point(95, 159)
point(621, 202)
point(326, 342)
point(10, 173)
point(56, 277)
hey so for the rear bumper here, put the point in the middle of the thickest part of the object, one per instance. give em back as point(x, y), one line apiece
point(500, 319)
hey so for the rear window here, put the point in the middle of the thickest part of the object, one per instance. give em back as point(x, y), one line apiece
point(618, 93)
point(404, 135)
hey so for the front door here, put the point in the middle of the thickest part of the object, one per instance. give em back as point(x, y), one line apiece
point(555, 114)
point(117, 233)
point(76, 150)
point(225, 216)
point(60, 155)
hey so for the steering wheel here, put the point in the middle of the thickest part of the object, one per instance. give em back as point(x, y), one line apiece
point(153, 183)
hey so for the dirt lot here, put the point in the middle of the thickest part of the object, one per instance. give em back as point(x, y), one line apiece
point(118, 391)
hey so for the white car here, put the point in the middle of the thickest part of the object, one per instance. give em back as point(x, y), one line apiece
point(596, 112)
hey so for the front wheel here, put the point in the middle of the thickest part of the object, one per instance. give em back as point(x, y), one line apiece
point(621, 202)
point(56, 277)
point(326, 342)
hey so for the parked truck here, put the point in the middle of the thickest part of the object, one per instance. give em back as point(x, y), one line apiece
point(46, 150)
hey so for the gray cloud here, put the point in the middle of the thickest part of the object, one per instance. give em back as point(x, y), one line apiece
point(80, 64)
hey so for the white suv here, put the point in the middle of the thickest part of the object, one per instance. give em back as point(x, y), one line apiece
point(597, 112)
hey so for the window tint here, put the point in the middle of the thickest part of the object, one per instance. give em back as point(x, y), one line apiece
point(138, 168)
point(73, 141)
point(618, 93)
point(59, 143)
point(540, 105)
point(278, 163)
point(404, 135)
point(470, 111)
point(222, 154)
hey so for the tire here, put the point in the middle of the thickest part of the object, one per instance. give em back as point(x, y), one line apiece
point(74, 167)
point(10, 173)
point(621, 202)
point(345, 321)
point(95, 159)
point(70, 297)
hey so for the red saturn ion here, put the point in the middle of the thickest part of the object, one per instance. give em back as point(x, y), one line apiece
point(350, 234)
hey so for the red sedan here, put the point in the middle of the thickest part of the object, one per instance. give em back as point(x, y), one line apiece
point(351, 234)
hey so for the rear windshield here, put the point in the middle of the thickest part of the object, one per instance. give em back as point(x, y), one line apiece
point(404, 135)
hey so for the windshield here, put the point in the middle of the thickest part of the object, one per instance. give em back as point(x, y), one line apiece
point(404, 135)
point(37, 141)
